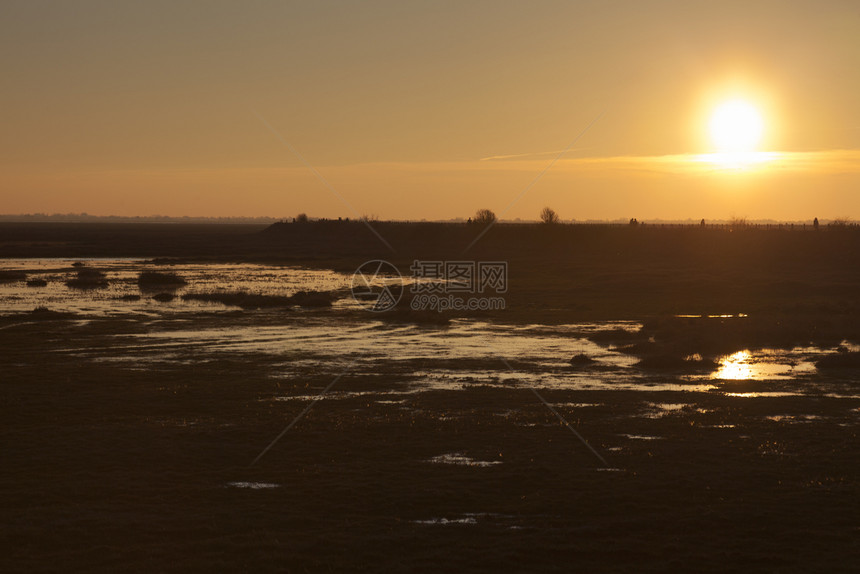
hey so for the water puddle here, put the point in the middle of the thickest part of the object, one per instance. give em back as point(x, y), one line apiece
point(254, 485)
point(794, 419)
point(577, 405)
point(460, 459)
point(341, 395)
point(767, 364)
point(472, 518)
point(765, 394)
point(660, 410)
point(725, 316)
point(641, 437)
point(447, 521)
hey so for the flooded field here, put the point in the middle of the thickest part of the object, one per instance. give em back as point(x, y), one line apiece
point(122, 294)
point(464, 351)
point(208, 420)
point(122, 323)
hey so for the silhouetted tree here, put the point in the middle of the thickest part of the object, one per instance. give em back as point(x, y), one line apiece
point(301, 218)
point(484, 216)
point(634, 221)
point(815, 223)
point(548, 215)
point(702, 223)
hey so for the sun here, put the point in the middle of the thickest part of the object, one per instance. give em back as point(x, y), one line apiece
point(736, 127)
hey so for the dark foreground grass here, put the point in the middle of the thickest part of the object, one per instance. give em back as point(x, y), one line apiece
point(844, 360)
point(260, 301)
point(122, 466)
point(11, 276)
point(157, 279)
point(87, 278)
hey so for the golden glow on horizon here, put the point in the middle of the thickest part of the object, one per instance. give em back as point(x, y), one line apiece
point(655, 187)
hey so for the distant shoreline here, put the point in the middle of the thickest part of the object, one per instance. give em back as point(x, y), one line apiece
point(264, 220)
point(84, 218)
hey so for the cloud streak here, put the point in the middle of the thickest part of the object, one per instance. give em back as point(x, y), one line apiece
point(535, 154)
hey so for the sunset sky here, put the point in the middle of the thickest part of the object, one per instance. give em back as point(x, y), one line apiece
point(431, 110)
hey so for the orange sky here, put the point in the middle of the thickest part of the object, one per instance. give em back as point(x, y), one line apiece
point(181, 108)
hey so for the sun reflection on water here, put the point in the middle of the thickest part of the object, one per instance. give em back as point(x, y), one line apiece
point(766, 364)
point(735, 367)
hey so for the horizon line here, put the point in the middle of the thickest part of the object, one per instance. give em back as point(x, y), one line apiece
point(238, 219)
